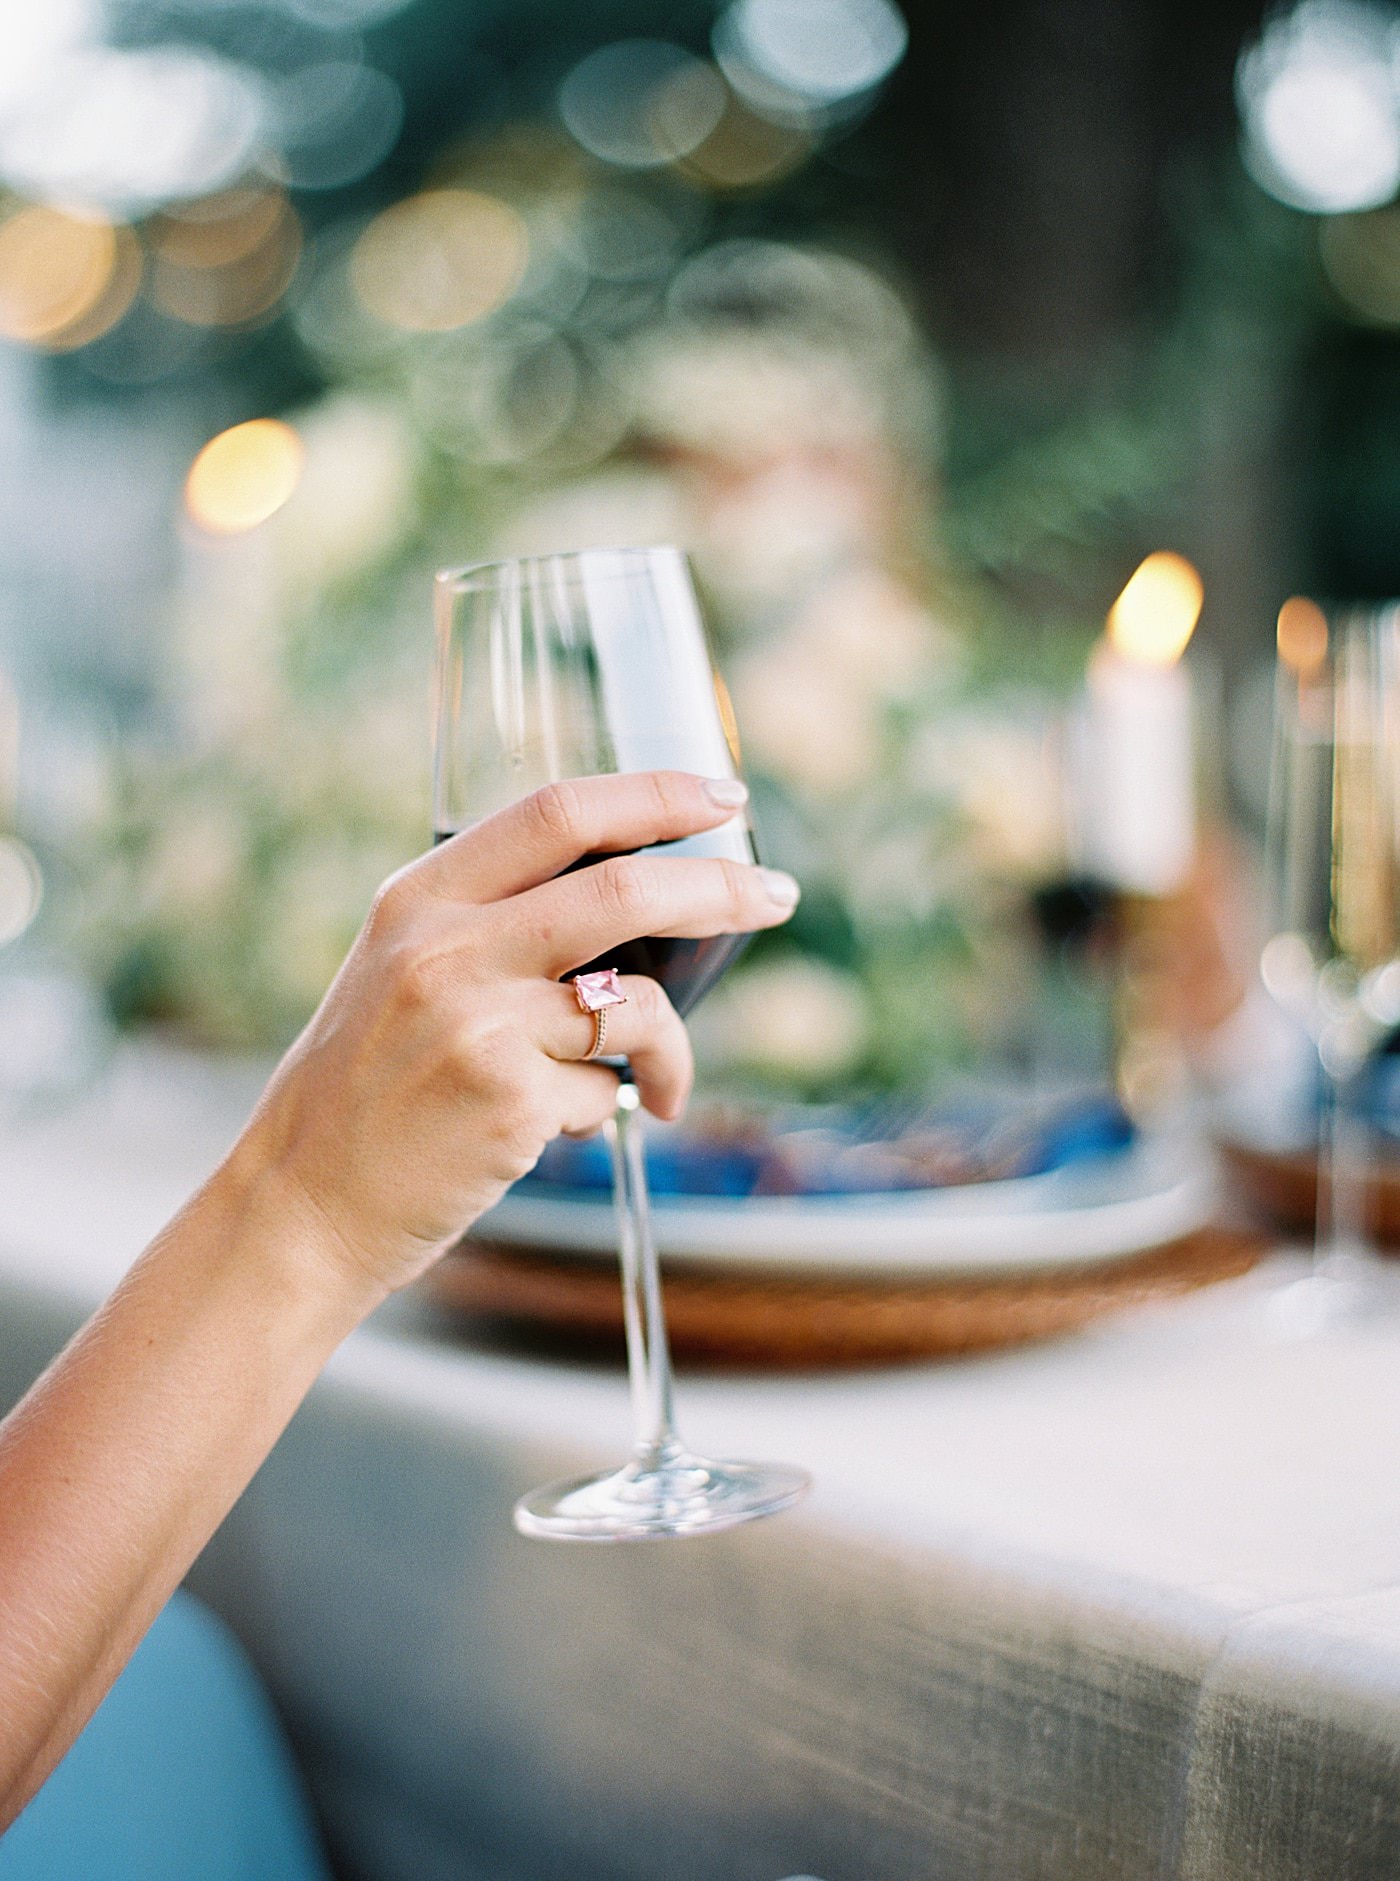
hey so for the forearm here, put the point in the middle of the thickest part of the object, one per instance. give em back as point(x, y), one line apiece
point(127, 1454)
point(443, 1059)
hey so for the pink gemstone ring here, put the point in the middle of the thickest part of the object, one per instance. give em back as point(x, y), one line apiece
point(595, 992)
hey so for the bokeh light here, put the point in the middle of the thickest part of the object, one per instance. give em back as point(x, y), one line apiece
point(1302, 635)
point(1319, 103)
point(35, 38)
point(125, 131)
point(618, 234)
point(1361, 256)
point(641, 103)
point(64, 278)
point(21, 888)
point(829, 298)
point(227, 259)
point(514, 405)
point(794, 58)
point(1154, 617)
point(335, 122)
point(746, 151)
point(243, 476)
point(147, 347)
point(215, 231)
point(439, 260)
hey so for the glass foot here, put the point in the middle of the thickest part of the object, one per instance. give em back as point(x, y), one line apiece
point(1310, 1306)
point(671, 1493)
point(1342, 1291)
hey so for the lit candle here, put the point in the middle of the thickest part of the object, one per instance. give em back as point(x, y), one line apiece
point(1137, 782)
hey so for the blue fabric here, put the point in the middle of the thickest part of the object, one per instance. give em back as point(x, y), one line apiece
point(182, 1775)
point(849, 1150)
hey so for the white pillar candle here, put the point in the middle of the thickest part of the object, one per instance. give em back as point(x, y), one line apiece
point(1137, 797)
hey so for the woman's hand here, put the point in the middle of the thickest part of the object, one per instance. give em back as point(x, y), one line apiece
point(441, 1062)
point(447, 1054)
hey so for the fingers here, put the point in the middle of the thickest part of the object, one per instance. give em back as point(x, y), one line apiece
point(585, 1097)
point(647, 1031)
point(542, 834)
point(580, 917)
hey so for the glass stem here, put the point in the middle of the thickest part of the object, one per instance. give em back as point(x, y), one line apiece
point(648, 1356)
point(1341, 1167)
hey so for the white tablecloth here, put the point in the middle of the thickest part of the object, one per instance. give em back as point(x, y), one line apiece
point(1126, 1605)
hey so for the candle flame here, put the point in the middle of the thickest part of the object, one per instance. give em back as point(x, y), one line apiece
point(1302, 635)
point(1156, 614)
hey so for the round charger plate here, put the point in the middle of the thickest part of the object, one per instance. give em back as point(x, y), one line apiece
point(725, 1317)
point(1156, 1192)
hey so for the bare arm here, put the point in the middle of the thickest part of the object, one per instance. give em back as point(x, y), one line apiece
point(443, 1059)
point(128, 1453)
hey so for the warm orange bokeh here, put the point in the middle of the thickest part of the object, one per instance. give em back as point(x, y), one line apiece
point(225, 260)
point(1302, 635)
point(243, 476)
point(439, 260)
point(65, 277)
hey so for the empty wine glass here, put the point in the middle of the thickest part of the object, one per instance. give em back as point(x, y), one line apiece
point(1332, 957)
point(562, 666)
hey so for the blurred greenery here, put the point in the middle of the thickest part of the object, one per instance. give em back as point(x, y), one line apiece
point(789, 375)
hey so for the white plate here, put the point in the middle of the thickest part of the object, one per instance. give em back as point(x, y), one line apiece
point(1108, 1209)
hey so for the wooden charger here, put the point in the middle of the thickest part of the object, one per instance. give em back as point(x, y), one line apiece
point(758, 1318)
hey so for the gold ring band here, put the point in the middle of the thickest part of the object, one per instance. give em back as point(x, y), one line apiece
point(600, 1033)
point(595, 992)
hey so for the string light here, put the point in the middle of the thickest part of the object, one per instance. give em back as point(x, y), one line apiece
point(243, 476)
point(439, 260)
point(64, 277)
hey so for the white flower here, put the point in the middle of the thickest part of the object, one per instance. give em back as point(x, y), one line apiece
point(198, 858)
point(868, 628)
point(317, 902)
point(802, 723)
point(1006, 777)
point(754, 396)
point(622, 510)
point(898, 873)
point(764, 532)
point(811, 702)
point(355, 492)
point(798, 1018)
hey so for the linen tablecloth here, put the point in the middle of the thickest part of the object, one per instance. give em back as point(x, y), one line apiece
point(1125, 1606)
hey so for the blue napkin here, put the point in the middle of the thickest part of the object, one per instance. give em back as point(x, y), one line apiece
point(855, 1150)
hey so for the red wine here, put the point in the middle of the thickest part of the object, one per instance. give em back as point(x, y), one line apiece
point(686, 968)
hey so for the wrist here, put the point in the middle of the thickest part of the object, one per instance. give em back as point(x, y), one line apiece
point(286, 1237)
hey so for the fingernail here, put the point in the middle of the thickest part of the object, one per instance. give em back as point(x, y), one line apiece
point(781, 888)
point(728, 792)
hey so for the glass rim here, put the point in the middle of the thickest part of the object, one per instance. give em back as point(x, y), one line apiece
point(470, 575)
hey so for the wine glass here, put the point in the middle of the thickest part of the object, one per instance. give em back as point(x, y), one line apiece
point(559, 666)
point(1333, 884)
